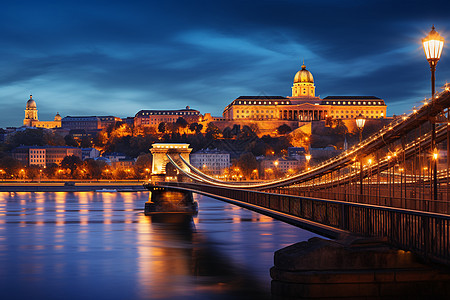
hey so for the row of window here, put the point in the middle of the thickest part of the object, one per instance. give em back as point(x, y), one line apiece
point(357, 111)
point(355, 102)
point(262, 111)
point(264, 102)
point(254, 117)
point(170, 113)
point(210, 159)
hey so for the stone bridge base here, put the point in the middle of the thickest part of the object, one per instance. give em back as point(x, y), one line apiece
point(354, 269)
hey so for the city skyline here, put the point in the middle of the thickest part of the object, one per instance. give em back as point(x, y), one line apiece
point(112, 58)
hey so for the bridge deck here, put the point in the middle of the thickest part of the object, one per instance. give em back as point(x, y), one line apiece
point(426, 234)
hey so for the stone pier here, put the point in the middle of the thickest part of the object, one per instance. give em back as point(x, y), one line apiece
point(354, 269)
point(166, 200)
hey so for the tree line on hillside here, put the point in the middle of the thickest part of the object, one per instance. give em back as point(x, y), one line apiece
point(135, 142)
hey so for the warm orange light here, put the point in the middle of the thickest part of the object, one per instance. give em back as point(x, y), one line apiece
point(433, 45)
point(308, 157)
point(435, 155)
point(360, 121)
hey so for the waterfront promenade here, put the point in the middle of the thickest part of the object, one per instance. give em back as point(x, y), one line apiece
point(71, 186)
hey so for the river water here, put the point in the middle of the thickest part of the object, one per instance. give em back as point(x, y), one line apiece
point(91, 245)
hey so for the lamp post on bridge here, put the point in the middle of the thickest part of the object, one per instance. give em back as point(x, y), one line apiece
point(360, 122)
point(432, 46)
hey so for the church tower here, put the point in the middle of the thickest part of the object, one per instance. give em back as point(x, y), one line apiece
point(303, 84)
point(31, 113)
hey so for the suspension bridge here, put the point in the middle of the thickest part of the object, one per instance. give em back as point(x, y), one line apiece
point(393, 185)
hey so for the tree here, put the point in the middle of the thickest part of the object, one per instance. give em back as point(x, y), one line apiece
point(247, 163)
point(10, 166)
point(283, 129)
point(28, 137)
point(51, 170)
point(143, 165)
point(162, 127)
point(94, 168)
point(71, 162)
point(70, 141)
point(33, 171)
point(196, 127)
point(181, 123)
point(212, 131)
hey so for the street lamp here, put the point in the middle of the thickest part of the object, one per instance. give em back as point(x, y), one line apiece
point(360, 122)
point(308, 158)
point(432, 46)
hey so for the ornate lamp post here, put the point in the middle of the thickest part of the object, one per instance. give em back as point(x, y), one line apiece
point(360, 122)
point(432, 46)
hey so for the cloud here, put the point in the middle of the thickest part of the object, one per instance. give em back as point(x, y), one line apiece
point(115, 57)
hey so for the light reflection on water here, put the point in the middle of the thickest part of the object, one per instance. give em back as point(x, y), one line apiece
point(101, 245)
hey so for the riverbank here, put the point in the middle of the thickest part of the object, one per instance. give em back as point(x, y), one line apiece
point(71, 186)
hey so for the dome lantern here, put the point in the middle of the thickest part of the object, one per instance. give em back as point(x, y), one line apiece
point(303, 76)
point(31, 103)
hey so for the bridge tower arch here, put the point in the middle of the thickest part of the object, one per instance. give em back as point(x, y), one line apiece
point(162, 168)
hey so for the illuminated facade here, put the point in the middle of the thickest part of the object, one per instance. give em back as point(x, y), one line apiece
point(303, 105)
point(44, 155)
point(152, 118)
point(31, 117)
point(211, 161)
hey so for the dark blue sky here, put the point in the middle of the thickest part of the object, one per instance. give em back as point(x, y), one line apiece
point(118, 57)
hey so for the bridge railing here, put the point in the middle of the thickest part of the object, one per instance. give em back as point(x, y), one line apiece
point(426, 234)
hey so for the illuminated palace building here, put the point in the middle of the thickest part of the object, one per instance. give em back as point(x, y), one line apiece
point(304, 105)
point(31, 117)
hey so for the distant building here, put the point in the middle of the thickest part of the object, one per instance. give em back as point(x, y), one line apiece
point(31, 117)
point(282, 164)
point(86, 123)
point(114, 156)
point(211, 161)
point(90, 124)
point(87, 153)
point(43, 155)
point(56, 154)
point(123, 163)
point(152, 118)
point(304, 105)
point(324, 153)
point(106, 121)
point(296, 152)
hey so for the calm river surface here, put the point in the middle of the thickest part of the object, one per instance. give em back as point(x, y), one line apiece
point(88, 245)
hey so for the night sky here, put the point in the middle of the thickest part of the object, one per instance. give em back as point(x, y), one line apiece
point(118, 57)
